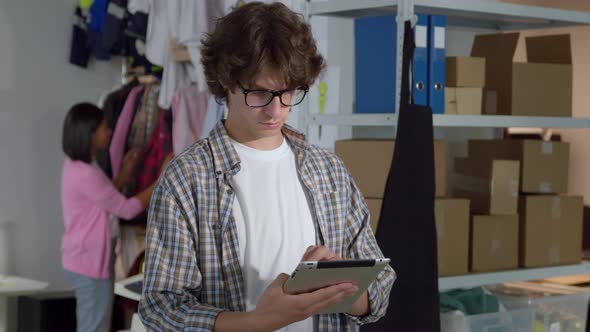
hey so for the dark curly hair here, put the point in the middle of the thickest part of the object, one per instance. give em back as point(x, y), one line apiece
point(254, 36)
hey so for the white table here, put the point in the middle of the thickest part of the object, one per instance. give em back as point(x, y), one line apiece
point(11, 286)
point(126, 293)
point(121, 290)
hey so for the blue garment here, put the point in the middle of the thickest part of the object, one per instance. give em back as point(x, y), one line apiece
point(98, 15)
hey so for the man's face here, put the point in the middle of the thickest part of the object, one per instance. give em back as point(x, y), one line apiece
point(255, 123)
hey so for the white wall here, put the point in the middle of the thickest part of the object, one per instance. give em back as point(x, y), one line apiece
point(37, 86)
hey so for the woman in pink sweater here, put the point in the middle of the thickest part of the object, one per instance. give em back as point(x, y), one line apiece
point(89, 201)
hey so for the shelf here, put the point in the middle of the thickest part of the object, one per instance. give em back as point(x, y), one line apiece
point(15, 286)
point(484, 14)
point(443, 120)
point(480, 279)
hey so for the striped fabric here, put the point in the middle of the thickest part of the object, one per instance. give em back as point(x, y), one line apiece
point(192, 270)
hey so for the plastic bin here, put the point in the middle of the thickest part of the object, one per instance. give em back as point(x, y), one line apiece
point(520, 320)
point(553, 310)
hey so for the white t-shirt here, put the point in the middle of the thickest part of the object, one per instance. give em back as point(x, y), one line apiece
point(273, 220)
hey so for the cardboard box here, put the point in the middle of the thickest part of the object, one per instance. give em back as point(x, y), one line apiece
point(494, 242)
point(374, 205)
point(492, 186)
point(452, 234)
point(463, 101)
point(464, 71)
point(540, 87)
point(544, 166)
point(550, 230)
point(369, 161)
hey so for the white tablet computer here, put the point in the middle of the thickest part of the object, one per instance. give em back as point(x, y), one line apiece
point(312, 275)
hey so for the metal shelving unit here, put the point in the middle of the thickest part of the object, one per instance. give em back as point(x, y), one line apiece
point(483, 14)
point(474, 14)
point(442, 120)
point(480, 279)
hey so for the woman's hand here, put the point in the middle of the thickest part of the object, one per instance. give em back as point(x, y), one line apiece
point(130, 161)
point(128, 167)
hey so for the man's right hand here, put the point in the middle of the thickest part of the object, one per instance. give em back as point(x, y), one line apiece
point(282, 309)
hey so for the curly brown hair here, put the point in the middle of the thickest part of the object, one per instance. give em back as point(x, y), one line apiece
point(254, 36)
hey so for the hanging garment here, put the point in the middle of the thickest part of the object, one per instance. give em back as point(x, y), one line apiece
point(194, 114)
point(112, 107)
point(114, 27)
point(406, 232)
point(177, 75)
point(156, 151)
point(113, 104)
point(80, 49)
point(136, 136)
point(98, 14)
point(117, 147)
point(145, 118)
point(189, 107)
point(157, 32)
point(195, 19)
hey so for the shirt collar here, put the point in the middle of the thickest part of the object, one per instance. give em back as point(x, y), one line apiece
point(226, 159)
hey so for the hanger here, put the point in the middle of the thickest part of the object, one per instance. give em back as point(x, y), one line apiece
point(178, 53)
point(147, 79)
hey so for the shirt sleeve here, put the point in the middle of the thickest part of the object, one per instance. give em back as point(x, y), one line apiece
point(101, 191)
point(365, 245)
point(172, 279)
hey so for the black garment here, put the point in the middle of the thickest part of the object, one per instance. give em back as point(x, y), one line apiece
point(80, 46)
point(113, 105)
point(114, 37)
point(406, 232)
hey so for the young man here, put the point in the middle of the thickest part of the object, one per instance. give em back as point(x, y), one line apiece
point(236, 212)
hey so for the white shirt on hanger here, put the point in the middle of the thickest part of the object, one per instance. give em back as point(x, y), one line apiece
point(156, 46)
point(134, 6)
point(273, 220)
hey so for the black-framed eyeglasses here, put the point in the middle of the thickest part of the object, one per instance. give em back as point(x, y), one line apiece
point(263, 97)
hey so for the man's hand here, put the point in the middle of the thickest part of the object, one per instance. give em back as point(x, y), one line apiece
point(320, 253)
point(286, 309)
point(276, 309)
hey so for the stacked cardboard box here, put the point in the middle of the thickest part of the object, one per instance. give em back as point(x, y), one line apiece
point(464, 85)
point(369, 160)
point(544, 165)
point(550, 230)
point(452, 232)
point(492, 188)
point(494, 242)
point(452, 235)
point(541, 87)
point(540, 226)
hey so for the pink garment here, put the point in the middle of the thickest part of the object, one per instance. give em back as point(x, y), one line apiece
point(88, 196)
point(117, 148)
point(189, 107)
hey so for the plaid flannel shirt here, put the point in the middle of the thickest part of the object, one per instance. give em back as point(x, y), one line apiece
point(192, 269)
